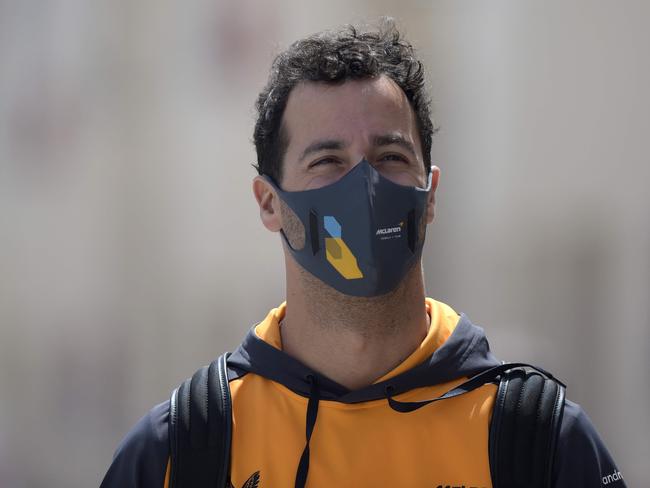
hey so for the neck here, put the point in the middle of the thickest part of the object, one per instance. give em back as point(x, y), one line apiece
point(352, 340)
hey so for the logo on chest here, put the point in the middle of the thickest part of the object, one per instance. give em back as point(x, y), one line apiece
point(459, 486)
point(252, 482)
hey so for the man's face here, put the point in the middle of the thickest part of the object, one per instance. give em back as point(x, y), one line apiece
point(333, 127)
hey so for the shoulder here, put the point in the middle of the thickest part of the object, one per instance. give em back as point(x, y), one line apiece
point(141, 458)
point(582, 459)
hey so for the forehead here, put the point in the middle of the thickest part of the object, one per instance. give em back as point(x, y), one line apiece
point(351, 111)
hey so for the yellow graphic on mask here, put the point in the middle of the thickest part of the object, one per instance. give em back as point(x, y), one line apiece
point(338, 253)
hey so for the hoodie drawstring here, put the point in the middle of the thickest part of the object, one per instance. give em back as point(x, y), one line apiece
point(476, 381)
point(312, 413)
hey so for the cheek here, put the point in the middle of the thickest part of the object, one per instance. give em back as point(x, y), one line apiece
point(422, 227)
point(328, 177)
point(430, 209)
point(292, 227)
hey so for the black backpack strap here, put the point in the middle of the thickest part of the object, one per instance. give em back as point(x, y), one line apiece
point(524, 429)
point(200, 429)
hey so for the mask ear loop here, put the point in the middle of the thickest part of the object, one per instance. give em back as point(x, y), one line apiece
point(429, 180)
point(314, 238)
point(284, 237)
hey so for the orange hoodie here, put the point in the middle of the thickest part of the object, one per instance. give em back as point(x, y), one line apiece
point(294, 426)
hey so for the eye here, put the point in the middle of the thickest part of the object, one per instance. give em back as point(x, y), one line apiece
point(394, 157)
point(324, 161)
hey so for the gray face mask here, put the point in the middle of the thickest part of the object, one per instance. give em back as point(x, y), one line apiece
point(362, 232)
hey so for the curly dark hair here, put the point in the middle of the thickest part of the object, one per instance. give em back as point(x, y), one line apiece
point(334, 57)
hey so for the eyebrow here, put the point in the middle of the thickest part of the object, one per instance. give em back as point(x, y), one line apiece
point(377, 140)
point(394, 138)
point(323, 145)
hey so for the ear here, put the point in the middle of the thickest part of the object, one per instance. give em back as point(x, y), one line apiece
point(269, 204)
point(431, 200)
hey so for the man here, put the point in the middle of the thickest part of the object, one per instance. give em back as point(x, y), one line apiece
point(343, 140)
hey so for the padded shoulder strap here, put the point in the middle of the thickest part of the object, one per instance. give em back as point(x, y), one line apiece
point(200, 429)
point(524, 429)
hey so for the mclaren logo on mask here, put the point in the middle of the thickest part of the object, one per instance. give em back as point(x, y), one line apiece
point(390, 232)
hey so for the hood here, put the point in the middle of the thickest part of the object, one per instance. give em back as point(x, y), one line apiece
point(453, 348)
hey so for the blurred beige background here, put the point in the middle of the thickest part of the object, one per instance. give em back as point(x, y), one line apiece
point(130, 247)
